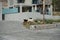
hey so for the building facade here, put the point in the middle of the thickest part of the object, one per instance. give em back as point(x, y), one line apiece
point(21, 9)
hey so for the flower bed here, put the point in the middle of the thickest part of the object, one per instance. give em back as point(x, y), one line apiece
point(39, 22)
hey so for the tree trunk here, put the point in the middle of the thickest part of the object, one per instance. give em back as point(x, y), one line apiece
point(43, 11)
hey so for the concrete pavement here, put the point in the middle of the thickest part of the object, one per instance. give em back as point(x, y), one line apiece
point(14, 30)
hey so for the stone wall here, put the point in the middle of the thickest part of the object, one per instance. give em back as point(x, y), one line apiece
point(27, 15)
point(44, 26)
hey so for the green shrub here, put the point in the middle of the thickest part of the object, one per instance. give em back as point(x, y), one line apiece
point(48, 21)
point(56, 20)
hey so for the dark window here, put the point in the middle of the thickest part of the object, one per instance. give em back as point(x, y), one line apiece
point(10, 7)
point(27, 9)
point(18, 9)
point(34, 1)
point(20, 1)
point(3, 16)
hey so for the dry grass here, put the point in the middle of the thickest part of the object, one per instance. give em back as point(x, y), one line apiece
point(56, 14)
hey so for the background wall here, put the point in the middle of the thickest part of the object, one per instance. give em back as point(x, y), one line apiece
point(28, 1)
point(0, 11)
point(21, 16)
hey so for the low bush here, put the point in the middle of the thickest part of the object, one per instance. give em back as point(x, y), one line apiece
point(48, 21)
point(37, 22)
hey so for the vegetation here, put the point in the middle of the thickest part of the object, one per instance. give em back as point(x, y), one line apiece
point(56, 5)
point(48, 21)
point(40, 22)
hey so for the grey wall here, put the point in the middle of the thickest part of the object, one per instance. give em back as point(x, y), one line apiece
point(0, 11)
point(21, 16)
point(48, 2)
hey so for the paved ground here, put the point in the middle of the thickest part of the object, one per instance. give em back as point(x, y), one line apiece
point(14, 30)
